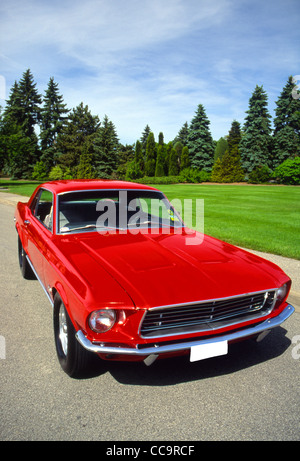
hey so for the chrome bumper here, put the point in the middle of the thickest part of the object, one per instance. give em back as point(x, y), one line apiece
point(160, 348)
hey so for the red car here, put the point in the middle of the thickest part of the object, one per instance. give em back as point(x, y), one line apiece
point(127, 283)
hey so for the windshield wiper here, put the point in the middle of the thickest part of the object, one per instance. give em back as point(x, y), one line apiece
point(88, 226)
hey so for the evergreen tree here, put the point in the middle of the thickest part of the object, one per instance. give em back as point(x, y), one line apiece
point(161, 139)
point(150, 155)
point(168, 150)
point(173, 163)
point(13, 112)
point(287, 125)
point(234, 136)
point(85, 168)
point(2, 141)
point(220, 149)
point(21, 115)
point(178, 147)
point(144, 138)
point(30, 101)
point(200, 142)
point(256, 142)
point(106, 149)
point(228, 167)
point(185, 158)
point(53, 118)
point(139, 158)
point(182, 135)
point(160, 161)
point(80, 131)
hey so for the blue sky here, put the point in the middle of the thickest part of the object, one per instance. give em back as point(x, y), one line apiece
point(153, 61)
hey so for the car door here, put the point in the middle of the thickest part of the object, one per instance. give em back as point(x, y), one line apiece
point(40, 230)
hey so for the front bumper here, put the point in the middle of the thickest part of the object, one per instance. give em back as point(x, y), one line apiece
point(161, 348)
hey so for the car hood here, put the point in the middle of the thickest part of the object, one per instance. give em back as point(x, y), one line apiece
point(160, 270)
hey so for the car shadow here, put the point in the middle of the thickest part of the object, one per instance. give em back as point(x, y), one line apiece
point(167, 372)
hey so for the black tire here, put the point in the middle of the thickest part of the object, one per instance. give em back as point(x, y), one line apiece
point(25, 268)
point(73, 358)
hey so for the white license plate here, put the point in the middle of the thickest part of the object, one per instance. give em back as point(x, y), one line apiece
point(205, 351)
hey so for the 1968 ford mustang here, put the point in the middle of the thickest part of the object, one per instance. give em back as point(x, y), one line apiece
point(125, 283)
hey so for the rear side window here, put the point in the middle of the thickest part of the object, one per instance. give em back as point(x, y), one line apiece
point(43, 208)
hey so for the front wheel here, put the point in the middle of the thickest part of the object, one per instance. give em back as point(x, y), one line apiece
point(73, 358)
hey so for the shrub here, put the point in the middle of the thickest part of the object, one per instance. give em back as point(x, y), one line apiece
point(39, 172)
point(288, 172)
point(260, 174)
point(194, 176)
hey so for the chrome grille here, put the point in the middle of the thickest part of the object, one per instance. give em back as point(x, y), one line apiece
point(205, 315)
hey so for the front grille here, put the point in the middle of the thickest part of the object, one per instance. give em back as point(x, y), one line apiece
point(206, 315)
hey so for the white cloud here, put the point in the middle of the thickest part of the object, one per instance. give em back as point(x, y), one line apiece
point(152, 62)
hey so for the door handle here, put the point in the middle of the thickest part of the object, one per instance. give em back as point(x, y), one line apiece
point(26, 222)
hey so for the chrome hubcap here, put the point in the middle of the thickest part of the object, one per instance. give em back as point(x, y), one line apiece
point(63, 329)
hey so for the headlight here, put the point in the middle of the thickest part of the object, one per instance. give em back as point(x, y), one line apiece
point(282, 293)
point(102, 320)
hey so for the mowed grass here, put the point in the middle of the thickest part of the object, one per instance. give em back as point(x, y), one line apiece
point(263, 218)
point(25, 188)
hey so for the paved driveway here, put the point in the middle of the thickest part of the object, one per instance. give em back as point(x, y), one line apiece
point(253, 393)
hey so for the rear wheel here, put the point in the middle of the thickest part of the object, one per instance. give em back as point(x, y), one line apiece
point(73, 358)
point(26, 270)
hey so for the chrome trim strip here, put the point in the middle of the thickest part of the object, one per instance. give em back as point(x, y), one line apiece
point(42, 285)
point(162, 349)
point(194, 303)
point(205, 326)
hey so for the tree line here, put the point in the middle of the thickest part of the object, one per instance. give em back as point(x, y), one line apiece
point(40, 138)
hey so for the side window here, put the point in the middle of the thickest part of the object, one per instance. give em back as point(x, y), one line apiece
point(44, 209)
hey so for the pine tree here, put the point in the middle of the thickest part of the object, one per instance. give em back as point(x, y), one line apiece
point(13, 112)
point(150, 155)
point(256, 142)
point(53, 118)
point(200, 142)
point(30, 101)
point(80, 130)
point(106, 149)
point(21, 115)
point(287, 125)
point(53, 115)
point(182, 135)
point(144, 138)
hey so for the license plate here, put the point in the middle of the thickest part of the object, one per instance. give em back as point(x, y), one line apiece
point(205, 351)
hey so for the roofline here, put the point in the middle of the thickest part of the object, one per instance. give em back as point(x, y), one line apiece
point(91, 184)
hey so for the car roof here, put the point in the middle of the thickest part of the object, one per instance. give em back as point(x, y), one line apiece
point(61, 186)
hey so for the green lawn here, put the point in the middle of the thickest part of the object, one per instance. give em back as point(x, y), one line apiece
point(264, 218)
point(25, 188)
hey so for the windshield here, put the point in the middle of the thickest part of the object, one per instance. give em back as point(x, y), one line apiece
point(108, 210)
